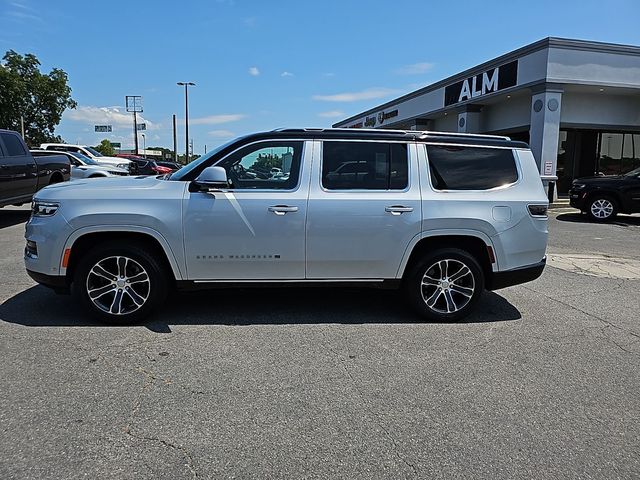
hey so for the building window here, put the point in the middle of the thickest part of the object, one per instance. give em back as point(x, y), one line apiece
point(470, 168)
point(618, 153)
point(364, 166)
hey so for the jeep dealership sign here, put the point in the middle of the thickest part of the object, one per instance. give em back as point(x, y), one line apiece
point(493, 80)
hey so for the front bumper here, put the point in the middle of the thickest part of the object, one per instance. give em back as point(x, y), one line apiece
point(577, 199)
point(516, 276)
point(56, 282)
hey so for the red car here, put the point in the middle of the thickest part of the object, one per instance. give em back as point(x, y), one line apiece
point(146, 166)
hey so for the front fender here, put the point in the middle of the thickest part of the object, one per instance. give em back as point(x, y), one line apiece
point(166, 247)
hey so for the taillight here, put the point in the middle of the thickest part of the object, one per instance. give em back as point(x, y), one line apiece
point(161, 170)
point(538, 210)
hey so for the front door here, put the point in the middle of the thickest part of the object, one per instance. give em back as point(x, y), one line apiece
point(364, 209)
point(255, 230)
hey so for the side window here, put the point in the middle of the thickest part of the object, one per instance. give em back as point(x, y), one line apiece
point(470, 168)
point(13, 145)
point(266, 165)
point(364, 165)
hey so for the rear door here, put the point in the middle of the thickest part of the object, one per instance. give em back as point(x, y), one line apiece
point(364, 209)
point(18, 169)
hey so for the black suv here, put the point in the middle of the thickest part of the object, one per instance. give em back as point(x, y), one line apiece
point(602, 198)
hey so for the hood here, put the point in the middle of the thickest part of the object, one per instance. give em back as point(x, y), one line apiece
point(122, 188)
point(599, 179)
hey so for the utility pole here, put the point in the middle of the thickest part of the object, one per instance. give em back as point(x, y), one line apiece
point(135, 131)
point(175, 140)
point(186, 116)
point(22, 127)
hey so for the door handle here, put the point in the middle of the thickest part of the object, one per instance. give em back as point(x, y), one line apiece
point(282, 209)
point(398, 209)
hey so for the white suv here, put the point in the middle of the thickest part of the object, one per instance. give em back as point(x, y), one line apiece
point(92, 153)
point(444, 216)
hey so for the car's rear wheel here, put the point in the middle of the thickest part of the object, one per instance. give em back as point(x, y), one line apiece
point(120, 283)
point(602, 208)
point(445, 285)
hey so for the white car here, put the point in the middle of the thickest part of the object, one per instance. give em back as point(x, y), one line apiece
point(83, 166)
point(91, 153)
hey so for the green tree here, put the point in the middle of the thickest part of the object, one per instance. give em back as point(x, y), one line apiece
point(106, 148)
point(39, 98)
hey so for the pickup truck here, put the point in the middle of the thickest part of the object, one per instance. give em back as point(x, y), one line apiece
point(22, 175)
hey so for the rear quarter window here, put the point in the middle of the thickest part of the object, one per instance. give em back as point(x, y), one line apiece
point(471, 168)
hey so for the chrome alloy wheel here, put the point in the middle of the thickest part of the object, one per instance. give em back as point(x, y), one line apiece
point(118, 285)
point(602, 208)
point(447, 286)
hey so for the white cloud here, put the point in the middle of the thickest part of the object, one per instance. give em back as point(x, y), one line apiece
point(286, 74)
point(415, 68)
point(368, 94)
point(221, 134)
point(249, 22)
point(216, 119)
point(331, 114)
point(328, 74)
point(116, 116)
point(253, 71)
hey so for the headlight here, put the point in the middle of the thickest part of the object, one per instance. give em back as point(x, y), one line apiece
point(123, 165)
point(578, 186)
point(44, 209)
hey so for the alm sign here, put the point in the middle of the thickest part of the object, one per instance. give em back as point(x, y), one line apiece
point(490, 81)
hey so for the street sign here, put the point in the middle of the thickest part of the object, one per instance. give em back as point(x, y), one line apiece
point(134, 103)
point(103, 128)
point(142, 126)
point(116, 144)
point(151, 153)
point(548, 168)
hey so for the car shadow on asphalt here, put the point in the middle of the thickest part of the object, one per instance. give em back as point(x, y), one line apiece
point(9, 218)
point(40, 307)
point(620, 220)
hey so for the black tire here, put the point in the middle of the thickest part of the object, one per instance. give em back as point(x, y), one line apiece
point(138, 300)
point(602, 208)
point(446, 292)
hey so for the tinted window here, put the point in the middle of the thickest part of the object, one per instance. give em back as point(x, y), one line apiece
point(13, 145)
point(270, 165)
point(364, 165)
point(470, 168)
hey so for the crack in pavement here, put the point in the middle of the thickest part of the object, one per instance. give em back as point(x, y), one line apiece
point(606, 323)
point(396, 449)
point(150, 380)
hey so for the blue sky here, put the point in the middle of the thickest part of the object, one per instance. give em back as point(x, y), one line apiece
point(260, 65)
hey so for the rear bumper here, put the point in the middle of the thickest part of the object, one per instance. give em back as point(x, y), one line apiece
point(56, 282)
point(516, 276)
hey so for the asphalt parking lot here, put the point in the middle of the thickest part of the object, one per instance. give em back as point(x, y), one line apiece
point(543, 382)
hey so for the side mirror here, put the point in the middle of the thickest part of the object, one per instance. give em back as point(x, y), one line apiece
point(211, 178)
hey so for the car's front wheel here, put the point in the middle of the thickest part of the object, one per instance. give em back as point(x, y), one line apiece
point(445, 285)
point(120, 283)
point(602, 208)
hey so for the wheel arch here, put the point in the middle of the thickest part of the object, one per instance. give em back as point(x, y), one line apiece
point(476, 243)
point(83, 239)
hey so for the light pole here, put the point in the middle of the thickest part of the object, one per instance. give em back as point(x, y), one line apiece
point(186, 117)
point(144, 145)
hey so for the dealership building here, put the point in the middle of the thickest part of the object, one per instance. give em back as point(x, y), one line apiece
point(577, 103)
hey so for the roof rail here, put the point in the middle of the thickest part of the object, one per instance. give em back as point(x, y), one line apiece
point(384, 131)
point(466, 135)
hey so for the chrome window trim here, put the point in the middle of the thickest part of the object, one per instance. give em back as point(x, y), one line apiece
point(305, 145)
point(408, 143)
point(516, 159)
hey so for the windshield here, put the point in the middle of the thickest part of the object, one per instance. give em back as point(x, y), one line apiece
point(93, 151)
point(633, 173)
point(178, 175)
point(83, 158)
